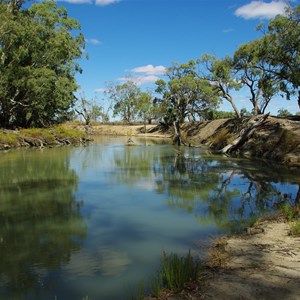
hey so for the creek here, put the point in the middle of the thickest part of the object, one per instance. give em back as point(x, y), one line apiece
point(94, 221)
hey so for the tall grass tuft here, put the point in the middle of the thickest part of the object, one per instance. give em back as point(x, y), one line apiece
point(175, 272)
point(295, 228)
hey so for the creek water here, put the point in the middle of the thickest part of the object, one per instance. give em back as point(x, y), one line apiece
point(94, 221)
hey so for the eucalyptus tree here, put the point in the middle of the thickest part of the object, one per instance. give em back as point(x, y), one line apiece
point(251, 72)
point(38, 51)
point(125, 98)
point(222, 77)
point(89, 110)
point(280, 48)
point(145, 111)
point(185, 94)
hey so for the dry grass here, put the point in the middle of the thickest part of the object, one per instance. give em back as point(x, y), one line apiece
point(221, 138)
point(217, 256)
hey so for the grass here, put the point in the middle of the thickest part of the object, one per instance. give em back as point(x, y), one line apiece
point(217, 257)
point(10, 139)
point(38, 133)
point(222, 138)
point(46, 136)
point(292, 214)
point(174, 274)
point(295, 228)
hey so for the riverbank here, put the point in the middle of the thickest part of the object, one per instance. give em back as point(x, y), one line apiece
point(35, 137)
point(272, 138)
point(261, 263)
point(268, 137)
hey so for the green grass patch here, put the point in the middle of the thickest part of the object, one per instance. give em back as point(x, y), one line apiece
point(10, 139)
point(40, 136)
point(175, 272)
point(38, 133)
point(295, 228)
point(62, 132)
point(292, 214)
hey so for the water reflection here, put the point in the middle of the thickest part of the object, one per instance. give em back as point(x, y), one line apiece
point(227, 192)
point(92, 220)
point(40, 221)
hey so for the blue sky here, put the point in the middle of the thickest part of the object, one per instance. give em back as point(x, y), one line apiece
point(140, 38)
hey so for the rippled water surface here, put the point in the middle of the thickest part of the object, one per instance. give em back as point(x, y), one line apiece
point(93, 221)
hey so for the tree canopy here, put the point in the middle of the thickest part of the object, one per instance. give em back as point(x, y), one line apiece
point(38, 49)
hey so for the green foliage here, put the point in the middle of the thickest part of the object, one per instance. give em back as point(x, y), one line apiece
point(295, 228)
point(38, 49)
point(125, 100)
point(280, 47)
point(252, 73)
point(10, 139)
point(220, 72)
point(176, 271)
point(185, 94)
point(292, 214)
point(63, 132)
point(282, 112)
point(89, 110)
point(245, 113)
point(288, 211)
point(140, 292)
point(47, 136)
point(214, 115)
point(38, 133)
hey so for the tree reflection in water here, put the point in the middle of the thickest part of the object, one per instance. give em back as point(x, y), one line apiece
point(227, 192)
point(40, 221)
point(230, 191)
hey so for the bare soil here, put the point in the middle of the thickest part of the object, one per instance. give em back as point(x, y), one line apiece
point(262, 264)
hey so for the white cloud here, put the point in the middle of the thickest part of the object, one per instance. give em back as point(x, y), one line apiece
point(93, 41)
point(139, 80)
point(106, 2)
point(150, 70)
point(261, 9)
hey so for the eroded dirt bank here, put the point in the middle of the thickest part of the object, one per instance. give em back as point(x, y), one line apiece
point(274, 138)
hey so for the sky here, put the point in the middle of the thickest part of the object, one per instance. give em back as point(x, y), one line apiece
point(139, 39)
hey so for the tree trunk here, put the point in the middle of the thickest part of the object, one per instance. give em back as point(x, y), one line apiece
point(237, 112)
point(244, 135)
point(177, 136)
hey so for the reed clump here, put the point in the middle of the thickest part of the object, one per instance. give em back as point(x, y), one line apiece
point(175, 274)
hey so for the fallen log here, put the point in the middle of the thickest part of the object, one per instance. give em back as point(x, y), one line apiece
point(245, 134)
